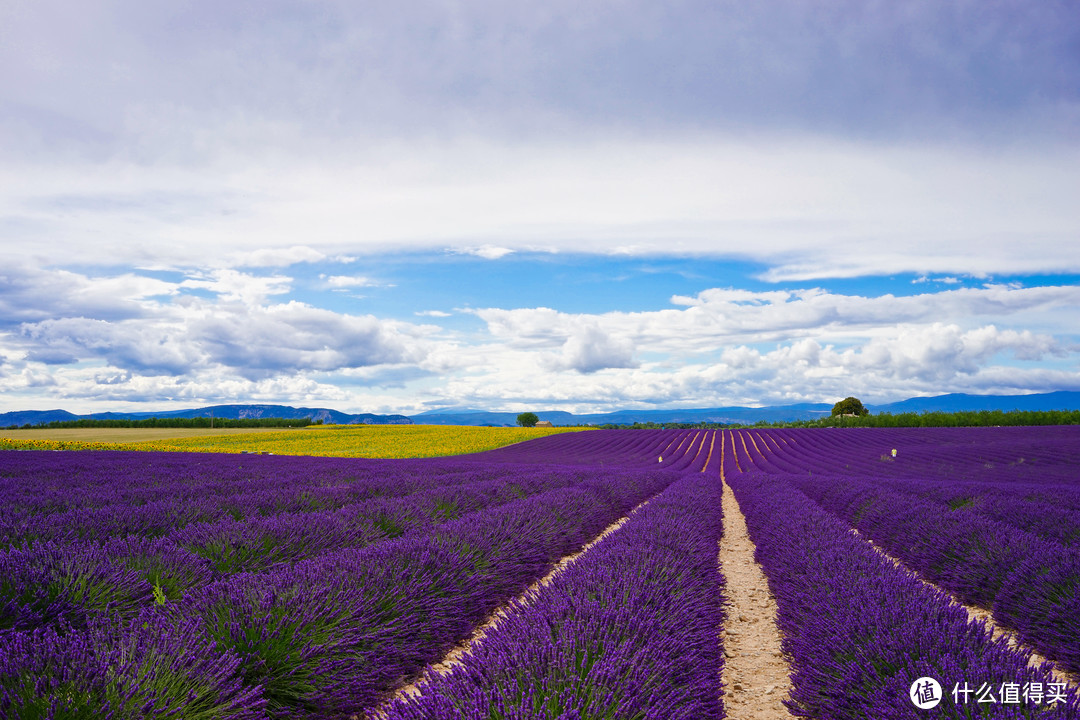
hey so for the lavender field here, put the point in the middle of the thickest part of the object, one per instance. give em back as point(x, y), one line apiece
point(183, 585)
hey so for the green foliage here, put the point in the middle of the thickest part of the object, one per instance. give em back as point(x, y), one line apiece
point(527, 419)
point(850, 406)
point(964, 418)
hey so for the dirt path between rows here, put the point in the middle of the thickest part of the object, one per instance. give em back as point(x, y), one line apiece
point(756, 676)
point(976, 613)
point(453, 658)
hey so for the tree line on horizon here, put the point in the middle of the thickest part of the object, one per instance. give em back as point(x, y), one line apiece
point(156, 422)
point(961, 418)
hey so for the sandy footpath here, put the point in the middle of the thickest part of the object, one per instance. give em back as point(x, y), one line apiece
point(756, 676)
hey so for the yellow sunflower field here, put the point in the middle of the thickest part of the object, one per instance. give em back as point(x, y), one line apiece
point(367, 441)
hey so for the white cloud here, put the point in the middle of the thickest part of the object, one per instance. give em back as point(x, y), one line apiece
point(280, 339)
point(901, 362)
point(805, 207)
point(29, 293)
point(156, 340)
point(340, 282)
point(590, 349)
point(276, 257)
point(235, 286)
point(214, 142)
point(146, 347)
point(717, 317)
point(488, 252)
point(940, 352)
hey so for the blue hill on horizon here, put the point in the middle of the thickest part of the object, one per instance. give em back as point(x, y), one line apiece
point(953, 402)
point(226, 412)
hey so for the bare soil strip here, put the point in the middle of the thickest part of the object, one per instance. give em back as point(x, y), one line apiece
point(975, 613)
point(742, 439)
point(453, 658)
point(676, 453)
point(734, 452)
point(700, 447)
point(708, 457)
point(756, 676)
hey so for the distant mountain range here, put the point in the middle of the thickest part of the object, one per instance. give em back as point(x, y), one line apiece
point(559, 417)
point(230, 412)
point(1063, 400)
point(955, 402)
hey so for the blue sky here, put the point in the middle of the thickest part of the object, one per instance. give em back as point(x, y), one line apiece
point(508, 205)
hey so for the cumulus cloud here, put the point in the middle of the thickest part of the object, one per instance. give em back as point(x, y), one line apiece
point(721, 316)
point(902, 362)
point(145, 347)
point(488, 252)
point(590, 349)
point(234, 286)
point(732, 346)
point(85, 389)
point(294, 336)
point(30, 293)
point(721, 346)
point(231, 333)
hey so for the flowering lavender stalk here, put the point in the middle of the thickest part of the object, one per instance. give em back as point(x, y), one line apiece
point(1032, 585)
point(630, 630)
point(858, 632)
point(48, 583)
point(335, 633)
point(137, 670)
point(258, 543)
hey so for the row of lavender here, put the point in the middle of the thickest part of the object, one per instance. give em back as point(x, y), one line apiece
point(860, 630)
point(628, 631)
point(1045, 457)
point(1030, 484)
point(59, 496)
point(338, 616)
point(677, 450)
point(73, 578)
point(1005, 542)
point(860, 633)
point(1032, 585)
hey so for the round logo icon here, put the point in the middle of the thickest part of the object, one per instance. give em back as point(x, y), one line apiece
point(925, 693)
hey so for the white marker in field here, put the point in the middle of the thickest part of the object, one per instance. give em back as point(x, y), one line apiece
point(894, 452)
point(661, 459)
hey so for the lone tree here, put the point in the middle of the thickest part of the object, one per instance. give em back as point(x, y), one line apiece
point(527, 419)
point(849, 406)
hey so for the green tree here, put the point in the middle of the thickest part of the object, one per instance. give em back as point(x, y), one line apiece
point(527, 419)
point(849, 406)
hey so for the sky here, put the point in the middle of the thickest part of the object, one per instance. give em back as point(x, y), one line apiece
point(429, 204)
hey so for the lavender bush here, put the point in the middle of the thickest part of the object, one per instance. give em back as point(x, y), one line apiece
point(628, 631)
point(858, 632)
